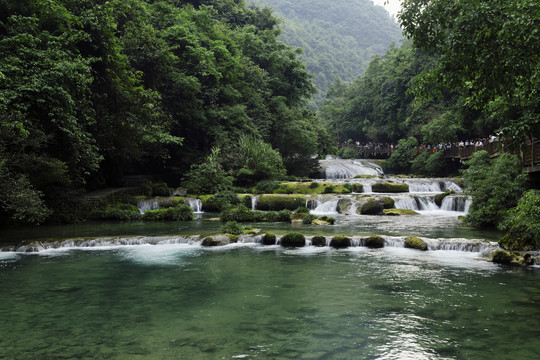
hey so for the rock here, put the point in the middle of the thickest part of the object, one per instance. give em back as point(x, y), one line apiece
point(357, 188)
point(412, 242)
point(370, 206)
point(216, 240)
point(501, 257)
point(269, 239)
point(318, 241)
point(388, 202)
point(293, 239)
point(398, 212)
point(344, 206)
point(440, 197)
point(388, 187)
point(320, 222)
point(374, 242)
point(340, 242)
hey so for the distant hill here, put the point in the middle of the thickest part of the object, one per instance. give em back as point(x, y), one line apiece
point(339, 37)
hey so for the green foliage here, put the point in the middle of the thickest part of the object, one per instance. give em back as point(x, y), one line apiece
point(495, 187)
point(293, 239)
point(436, 164)
point(234, 228)
point(280, 202)
point(120, 212)
point(390, 187)
point(489, 52)
point(308, 219)
point(329, 189)
point(241, 213)
point(208, 177)
point(522, 224)
point(269, 239)
point(402, 158)
point(181, 212)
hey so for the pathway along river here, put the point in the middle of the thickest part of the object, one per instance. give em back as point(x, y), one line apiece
point(150, 291)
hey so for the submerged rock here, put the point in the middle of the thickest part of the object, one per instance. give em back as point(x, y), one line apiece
point(412, 242)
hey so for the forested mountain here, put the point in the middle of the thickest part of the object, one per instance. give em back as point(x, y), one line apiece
point(338, 37)
point(91, 90)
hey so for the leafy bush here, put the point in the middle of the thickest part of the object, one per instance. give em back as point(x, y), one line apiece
point(234, 228)
point(350, 153)
point(314, 185)
point(241, 213)
point(329, 189)
point(402, 156)
point(208, 177)
point(328, 219)
point(293, 239)
point(436, 164)
point(494, 187)
point(308, 219)
point(301, 210)
point(266, 186)
point(280, 202)
point(182, 212)
point(418, 165)
point(522, 224)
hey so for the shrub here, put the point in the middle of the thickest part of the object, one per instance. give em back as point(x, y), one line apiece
point(318, 241)
point(329, 189)
point(523, 224)
point(280, 202)
point(182, 212)
point(436, 164)
point(340, 242)
point(302, 210)
point(357, 188)
point(314, 185)
point(293, 239)
point(308, 219)
point(269, 239)
point(388, 187)
point(329, 220)
point(495, 188)
point(266, 186)
point(234, 228)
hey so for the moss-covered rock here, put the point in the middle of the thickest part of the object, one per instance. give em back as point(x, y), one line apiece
point(373, 242)
point(293, 239)
point(276, 202)
point(216, 240)
point(357, 188)
point(398, 212)
point(269, 239)
point(340, 242)
point(370, 206)
point(344, 205)
point(389, 187)
point(412, 242)
point(388, 202)
point(365, 176)
point(502, 257)
point(318, 241)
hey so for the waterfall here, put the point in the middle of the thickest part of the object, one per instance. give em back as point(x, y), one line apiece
point(406, 203)
point(424, 185)
point(427, 203)
point(468, 204)
point(348, 169)
point(147, 204)
point(254, 200)
point(196, 205)
point(454, 203)
point(326, 208)
point(451, 185)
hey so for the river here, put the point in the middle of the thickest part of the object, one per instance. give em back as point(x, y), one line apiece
point(150, 291)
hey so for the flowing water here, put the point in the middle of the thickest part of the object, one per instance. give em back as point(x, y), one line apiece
point(151, 291)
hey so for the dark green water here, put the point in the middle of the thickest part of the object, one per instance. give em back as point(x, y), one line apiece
point(254, 302)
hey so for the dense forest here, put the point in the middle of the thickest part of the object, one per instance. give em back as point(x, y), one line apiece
point(92, 90)
point(338, 38)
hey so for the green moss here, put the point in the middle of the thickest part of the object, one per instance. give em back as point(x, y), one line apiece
point(340, 242)
point(502, 257)
point(308, 219)
point(313, 188)
point(398, 212)
point(293, 239)
point(412, 242)
point(388, 202)
point(181, 212)
point(318, 241)
point(280, 202)
point(365, 176)
point(327, 219)
point(374, 242)
point(388, 187)
point(357, 188)
point(269, 239)
point(371, 206)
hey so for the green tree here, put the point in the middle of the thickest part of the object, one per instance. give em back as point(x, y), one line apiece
point(495, 187)
point(403, 155)
point(522, 224)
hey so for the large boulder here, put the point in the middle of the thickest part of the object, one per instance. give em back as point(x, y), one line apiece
point(370, 206)
point(318, 241)
point(340, 242)
point(412, 242)
point(374, 242)
point(216, 240)
point(269, 239)
point(293, 239)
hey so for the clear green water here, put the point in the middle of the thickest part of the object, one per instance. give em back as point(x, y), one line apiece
point(254, 302)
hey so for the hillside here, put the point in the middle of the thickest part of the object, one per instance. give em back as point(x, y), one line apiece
point(338, 37)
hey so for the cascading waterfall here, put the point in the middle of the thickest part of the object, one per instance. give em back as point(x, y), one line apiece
point(147, 204)
point(455, 203)
point(348, 169)
point(326, 208)
point(196, 205)
point(254, 200)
